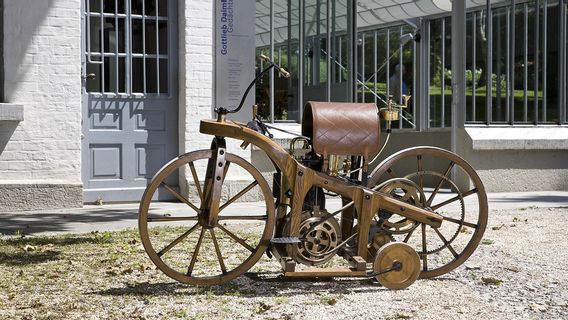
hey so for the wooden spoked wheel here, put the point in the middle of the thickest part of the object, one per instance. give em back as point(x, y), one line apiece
point(451, 188)
point(187, 248)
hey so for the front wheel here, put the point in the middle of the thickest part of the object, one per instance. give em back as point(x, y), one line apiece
point(187, 248)
point(441, 181)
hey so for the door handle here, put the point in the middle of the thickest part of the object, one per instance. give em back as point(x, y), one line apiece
point(88, 76)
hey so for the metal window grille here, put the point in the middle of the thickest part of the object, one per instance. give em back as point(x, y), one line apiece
point(126, 47)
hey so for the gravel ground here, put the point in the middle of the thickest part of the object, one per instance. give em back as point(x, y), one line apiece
point(519, 272)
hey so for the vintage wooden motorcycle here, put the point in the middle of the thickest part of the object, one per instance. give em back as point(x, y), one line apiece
point(406, 219)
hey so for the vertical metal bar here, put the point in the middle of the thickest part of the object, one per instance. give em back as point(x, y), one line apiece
point(301, 59)
point(289, 48)
point(328, 50)
point(128, 47)
point(117, 86)
point(525, 64)
point(102, 45)
point(511, 64)
point(340, 59)
point(271, 74)
point(427, 75)
point(158, 48)
point(353, 50)
point(375, 56)
point(544, 58)
point(458, 30)
point(144, 47)
point(536, 59)
point(489, 66)
point(363, 85)
point(507, 64)
point(473, 71)
point(498, 65)
point(443, 77)
point(562, 63)
point(400, 67)
point(388, 64)
point(415, 75)
point(316, 44)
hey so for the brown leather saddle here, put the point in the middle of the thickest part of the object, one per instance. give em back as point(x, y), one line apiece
point(341, 128)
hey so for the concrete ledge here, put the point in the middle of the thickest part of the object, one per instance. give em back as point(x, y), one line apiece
point(11, 112)
point(518, 138)
point(22, 197)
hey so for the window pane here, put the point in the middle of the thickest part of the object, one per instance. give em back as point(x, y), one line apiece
point(137, 75)
point(447, 74)
point(499, 65)
point(436, 73)
point(481, 66)
point(164, 82)
point(551, 62)
point(151, 76)
point(150, 36)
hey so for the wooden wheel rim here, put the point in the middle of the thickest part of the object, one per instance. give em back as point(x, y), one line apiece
point(403, 253)
point(245, 265)
point(474, 178)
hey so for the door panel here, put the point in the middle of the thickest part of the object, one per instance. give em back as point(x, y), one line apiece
point(130, 106)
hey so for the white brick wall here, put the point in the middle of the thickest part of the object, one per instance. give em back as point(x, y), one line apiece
point(196, 71)
point(42, 57)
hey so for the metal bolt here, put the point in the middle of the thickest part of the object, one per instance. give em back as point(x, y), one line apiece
point(301, 173)
point(218, 178)
point(220, 164)
point(221, 152)
point(367, 197)
point(325, 182)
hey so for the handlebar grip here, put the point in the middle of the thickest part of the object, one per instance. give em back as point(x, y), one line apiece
point(284, 73)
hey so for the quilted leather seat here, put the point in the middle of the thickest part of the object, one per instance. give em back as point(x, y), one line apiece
point(341, 128)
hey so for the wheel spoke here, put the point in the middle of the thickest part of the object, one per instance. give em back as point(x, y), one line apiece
point(465, 223)
point(448, 170)
point(196, 180)
point(265, 217)
point(238, 195)
point(179, 196)
point(171, 219)
point(227, 163)
point(459, 196)
point(218, 251)
point(195, 253)
point(424, 256)
point(408, 235)
point(237, 239)
point(177, 240)
point(446, 243)
point(420, 176)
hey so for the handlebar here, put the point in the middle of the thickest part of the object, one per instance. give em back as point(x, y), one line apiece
point(282, 71)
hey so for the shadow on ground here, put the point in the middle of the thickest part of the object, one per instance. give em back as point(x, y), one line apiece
point(249, 285)
point(62, 221)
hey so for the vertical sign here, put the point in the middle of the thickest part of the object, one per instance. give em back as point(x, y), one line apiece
point(234, 54)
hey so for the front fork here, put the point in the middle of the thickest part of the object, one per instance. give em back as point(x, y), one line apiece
point(215, 175)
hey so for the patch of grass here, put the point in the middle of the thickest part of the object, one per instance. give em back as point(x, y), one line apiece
point(487, 241)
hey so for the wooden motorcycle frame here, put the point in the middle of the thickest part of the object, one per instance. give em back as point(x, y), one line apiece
point(395, 264)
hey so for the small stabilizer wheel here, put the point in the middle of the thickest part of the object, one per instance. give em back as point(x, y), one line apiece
point(408, 260)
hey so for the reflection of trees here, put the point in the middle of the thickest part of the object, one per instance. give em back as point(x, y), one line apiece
point(481, 39)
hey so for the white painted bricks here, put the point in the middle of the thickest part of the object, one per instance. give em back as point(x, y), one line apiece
point(42, 60)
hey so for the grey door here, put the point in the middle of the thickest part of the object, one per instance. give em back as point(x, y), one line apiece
point(130, 106)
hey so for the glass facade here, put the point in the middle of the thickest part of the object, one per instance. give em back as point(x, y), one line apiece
point(515, 60)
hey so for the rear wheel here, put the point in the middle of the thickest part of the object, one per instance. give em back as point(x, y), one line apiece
point(187, 248)
point(441, 181)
